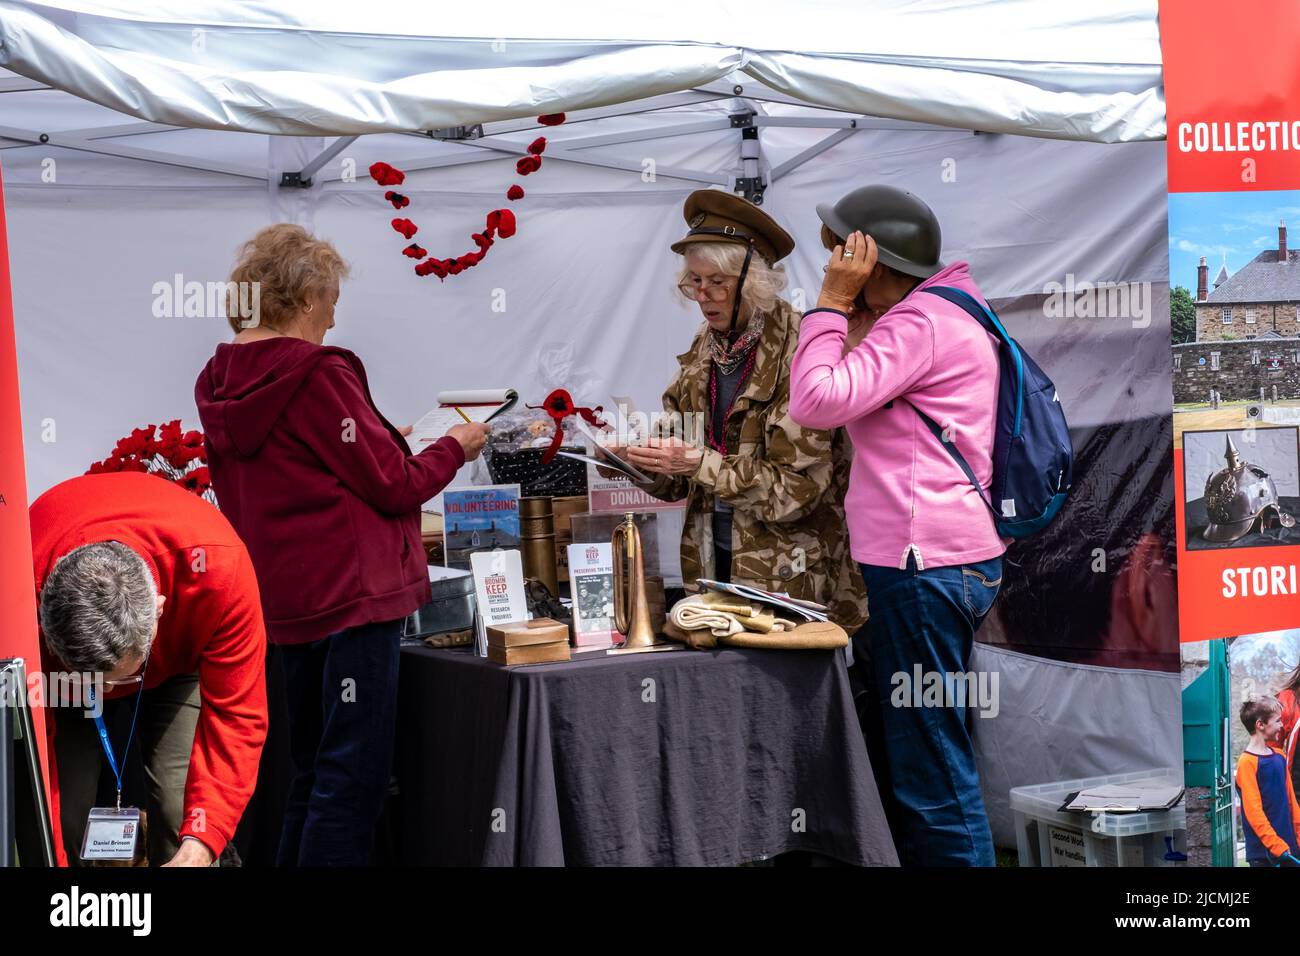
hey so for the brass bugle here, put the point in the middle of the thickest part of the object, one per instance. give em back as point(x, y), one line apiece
point(631, 611)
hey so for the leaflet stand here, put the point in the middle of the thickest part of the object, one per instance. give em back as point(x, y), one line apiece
point(16, 724)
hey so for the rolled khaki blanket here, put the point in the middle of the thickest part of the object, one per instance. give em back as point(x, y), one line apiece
point(702, 640)
point(814, 635)
point(725, 616)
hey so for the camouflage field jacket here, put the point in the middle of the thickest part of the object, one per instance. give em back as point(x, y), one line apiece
point(786, 483)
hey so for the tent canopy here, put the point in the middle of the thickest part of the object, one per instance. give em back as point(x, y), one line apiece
point(1051, 69)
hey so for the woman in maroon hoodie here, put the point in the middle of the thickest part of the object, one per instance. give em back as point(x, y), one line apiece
point(326, 494)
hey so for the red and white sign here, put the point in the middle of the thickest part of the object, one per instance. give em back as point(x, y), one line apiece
point(1232, 96)
point(18, 636)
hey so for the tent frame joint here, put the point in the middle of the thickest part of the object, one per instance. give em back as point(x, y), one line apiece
point(453, 133)
point(752, 188)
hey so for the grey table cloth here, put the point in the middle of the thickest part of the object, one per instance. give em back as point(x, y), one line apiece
point(689, 757)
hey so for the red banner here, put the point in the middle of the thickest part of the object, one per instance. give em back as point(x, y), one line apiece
point(1232, 94)
point(18, 636)
point(1231, 78)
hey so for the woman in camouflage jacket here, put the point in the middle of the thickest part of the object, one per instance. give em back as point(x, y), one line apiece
point(765, 496)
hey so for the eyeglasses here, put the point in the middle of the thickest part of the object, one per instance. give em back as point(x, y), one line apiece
point(131, 680)
point(715, 289)
point(124, 681)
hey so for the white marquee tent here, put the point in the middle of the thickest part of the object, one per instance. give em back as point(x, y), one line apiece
point(140, 143)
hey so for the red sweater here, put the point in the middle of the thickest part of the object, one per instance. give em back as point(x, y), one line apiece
point(211, 625)
point(323, 490)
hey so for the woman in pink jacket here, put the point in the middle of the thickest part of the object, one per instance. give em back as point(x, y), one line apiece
point(920, 532)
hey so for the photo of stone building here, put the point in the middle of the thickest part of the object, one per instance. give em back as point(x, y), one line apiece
point(1247, 333)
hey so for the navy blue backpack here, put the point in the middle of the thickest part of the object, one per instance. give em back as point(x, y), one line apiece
point(1032, 454)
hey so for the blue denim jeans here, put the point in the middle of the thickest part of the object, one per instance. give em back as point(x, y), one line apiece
point(929, 618)
point(342, 707)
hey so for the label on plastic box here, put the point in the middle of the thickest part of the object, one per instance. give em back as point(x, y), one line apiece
point(1067, 847)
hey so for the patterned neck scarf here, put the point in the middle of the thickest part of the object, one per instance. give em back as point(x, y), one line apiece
point(727, 356)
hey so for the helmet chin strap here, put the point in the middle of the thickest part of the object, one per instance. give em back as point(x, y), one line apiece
point(740, 284)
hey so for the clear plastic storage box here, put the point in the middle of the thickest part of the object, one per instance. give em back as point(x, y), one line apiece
point(1048, 836)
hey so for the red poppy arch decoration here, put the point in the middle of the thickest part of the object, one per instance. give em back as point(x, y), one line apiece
point(498, 224)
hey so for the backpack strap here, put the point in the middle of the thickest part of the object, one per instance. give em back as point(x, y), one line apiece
point(968, 304)
point(951, 447)
point(972, 307)
point(991, 324)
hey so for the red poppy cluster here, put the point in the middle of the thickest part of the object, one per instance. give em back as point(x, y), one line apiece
point(559, 405)
point(500, 223)
point(165, 451)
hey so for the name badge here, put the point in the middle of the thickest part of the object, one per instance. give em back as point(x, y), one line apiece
point(112, 834)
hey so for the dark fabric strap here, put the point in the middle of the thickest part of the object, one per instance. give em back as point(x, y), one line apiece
point(730, 232)
point(740, 284)
point(957, 456)
point(967, 304)
point(970, 306)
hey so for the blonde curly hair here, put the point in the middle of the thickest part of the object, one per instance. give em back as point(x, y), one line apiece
point(283, 265)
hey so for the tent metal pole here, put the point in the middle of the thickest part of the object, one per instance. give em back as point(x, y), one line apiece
point(648, 105)
point(108, 132)
point(8, 784)
point(62, 141)
point(125, 129)
point(640, 135)
point(13, 688)
point(428, 162)
point(853, 122)
point(761, 95)
point(20, 84)
point(750, 182)
point(794, 162)
point(303, 177)
point(608, 162)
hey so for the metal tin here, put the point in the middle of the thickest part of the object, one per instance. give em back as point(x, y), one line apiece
point(452, 606)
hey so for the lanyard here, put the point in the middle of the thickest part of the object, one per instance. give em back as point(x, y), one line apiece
point(103, 732)
point(720, 445)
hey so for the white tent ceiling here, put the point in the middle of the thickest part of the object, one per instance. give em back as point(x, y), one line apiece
point(1032, 67)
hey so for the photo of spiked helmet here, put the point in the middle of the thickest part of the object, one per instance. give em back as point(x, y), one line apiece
point(1239, 495)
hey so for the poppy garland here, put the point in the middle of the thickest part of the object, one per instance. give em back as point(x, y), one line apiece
point(499, 223)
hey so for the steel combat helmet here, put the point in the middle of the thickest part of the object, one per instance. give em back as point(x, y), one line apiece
point(905, 229)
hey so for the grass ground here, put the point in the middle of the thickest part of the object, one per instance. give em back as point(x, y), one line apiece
point(1201, 417)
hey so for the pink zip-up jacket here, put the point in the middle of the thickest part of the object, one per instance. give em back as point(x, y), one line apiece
point(906, 494)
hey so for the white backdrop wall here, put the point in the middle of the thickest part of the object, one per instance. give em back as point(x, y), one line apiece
point(587, 281)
